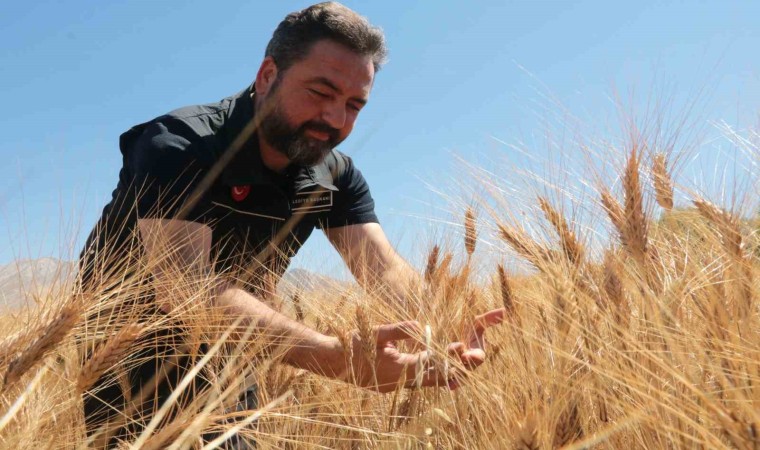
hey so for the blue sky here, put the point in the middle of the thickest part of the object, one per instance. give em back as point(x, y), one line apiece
point(463, 79)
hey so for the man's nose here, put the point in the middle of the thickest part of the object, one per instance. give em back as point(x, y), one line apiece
point(335, 115)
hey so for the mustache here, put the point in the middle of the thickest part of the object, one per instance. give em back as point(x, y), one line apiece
point(322, 127)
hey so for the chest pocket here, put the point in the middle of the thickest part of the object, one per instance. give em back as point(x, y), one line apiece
point(246, 223)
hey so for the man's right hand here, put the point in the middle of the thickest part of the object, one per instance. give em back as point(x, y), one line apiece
point(392, 368)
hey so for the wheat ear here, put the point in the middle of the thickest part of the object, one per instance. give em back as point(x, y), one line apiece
point(527, 435)
point(614, 211)
point(572, 249)
point(367, 340)
point(663, 183)
point(505, 289)
point(298, 306)
point(432, 264)
point(727, 224)
point(366, 335)
point(470, 232)
point(108, 355)
point(525, 246)
point(47, 339)
point(569, 427)
point(635, 227)
point(728, 228)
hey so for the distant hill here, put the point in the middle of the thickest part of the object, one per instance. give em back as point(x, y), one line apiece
point(303, 280)
point(23, 280)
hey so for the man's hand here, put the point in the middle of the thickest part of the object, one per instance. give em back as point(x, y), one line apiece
point(391, 367)
point(472, 352)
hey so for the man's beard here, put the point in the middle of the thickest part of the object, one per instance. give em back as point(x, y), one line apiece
point(299, 148)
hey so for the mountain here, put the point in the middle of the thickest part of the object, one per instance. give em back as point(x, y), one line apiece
point(22, 281)
point(296, 280)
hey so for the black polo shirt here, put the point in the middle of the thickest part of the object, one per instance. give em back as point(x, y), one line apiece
point(188, 165)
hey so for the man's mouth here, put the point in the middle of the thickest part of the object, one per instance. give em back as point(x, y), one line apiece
point(318, 135)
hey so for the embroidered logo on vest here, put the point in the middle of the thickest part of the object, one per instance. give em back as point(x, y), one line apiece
point(311, 202)
point(239, 193)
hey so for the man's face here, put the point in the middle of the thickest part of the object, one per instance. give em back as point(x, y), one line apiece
point(316, 101)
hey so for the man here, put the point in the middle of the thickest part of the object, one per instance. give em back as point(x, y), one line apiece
point(236, 187)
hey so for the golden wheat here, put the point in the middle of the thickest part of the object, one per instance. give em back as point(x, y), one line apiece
point(646, 340)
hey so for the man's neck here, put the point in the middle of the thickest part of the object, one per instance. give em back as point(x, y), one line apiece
point(272, 159)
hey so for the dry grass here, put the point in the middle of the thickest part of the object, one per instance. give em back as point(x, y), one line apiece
point(652, 343)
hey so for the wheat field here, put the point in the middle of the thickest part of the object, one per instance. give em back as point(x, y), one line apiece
point(638, 332)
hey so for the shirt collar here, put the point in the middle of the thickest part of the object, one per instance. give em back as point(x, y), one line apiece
point(247, 168)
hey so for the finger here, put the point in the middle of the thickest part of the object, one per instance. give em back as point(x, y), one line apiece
point(469, 357)
point(456, 349)
point(472, 358)
point(489, 319)
point(481, 323)
point(398, 331)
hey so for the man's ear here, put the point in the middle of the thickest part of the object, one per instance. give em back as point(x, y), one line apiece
point(266, 76)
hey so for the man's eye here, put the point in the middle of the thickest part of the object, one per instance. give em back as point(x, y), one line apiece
point(318, 93)
point(354, 107)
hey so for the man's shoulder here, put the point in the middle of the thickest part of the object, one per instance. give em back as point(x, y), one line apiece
point(208, 113)
point(194, 120)
point(338, 163)
point(192, 127)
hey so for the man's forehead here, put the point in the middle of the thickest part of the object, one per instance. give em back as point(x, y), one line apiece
point(338, 67)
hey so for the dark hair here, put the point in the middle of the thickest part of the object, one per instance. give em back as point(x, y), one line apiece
point(294, 36)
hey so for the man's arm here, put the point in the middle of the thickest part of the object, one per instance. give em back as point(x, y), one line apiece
point(176, 248)
point(374, 262)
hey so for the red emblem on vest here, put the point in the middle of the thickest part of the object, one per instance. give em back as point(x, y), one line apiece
point(239, 193)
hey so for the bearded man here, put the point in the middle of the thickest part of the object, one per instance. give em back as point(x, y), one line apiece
point(238, 186)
